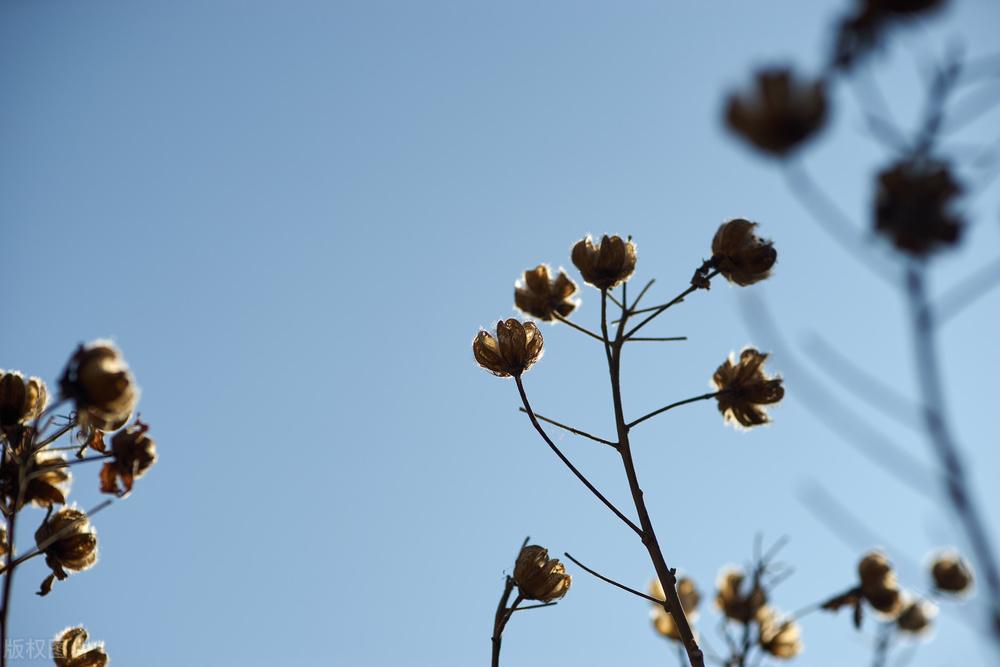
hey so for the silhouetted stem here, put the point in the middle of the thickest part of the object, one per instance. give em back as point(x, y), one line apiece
point(660, 339)
point(703, 397)
point(576, 326)
point(574, 431)
point(658, 310)
point(500, 621)
point(613, 582)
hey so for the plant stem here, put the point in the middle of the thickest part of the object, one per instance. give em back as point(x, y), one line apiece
point(703, 397)
point(613, 582)
point(574, 431)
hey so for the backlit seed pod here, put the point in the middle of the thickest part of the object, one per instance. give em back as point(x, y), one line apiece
point(781, 637)
point(735, 603)
point(100, 383)
point(539, 577)
point(916, 617)
point(514, 350)
point(69, 543)
point(740, 255)
point(542, 297)
point(663, 620)
point(3, 541)
point(606, 265)
point(951, 573)
point(744, 389)
point(70, 649)
point(914, 206)
point(134, 453)
point(878, 583)
point(21, 400)
point(47, 480)
point(779, 112)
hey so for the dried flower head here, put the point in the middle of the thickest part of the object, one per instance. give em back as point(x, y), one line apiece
point(515, 349)
point(779, 113)
point(134, 453)
point(663, 620)
point(21, 400)
point(542, 297)
point(539, 577)
point(99, 381)
point(69, 543)
point(781, 637)
point(878, 583)
point(70, 649)
point(740, 255)
point(744, 389)
point(951, 573)
point(606, 265)
point(47, 477)
point(914, 206)
point(735, 603)
point(916, 617)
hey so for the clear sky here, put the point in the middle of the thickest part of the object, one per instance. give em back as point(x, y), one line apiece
point(294, 216)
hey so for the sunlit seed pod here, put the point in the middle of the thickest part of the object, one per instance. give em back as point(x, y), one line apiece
point(70, 649)
point(744, 389)
point(780, 637)
point(543, 297)
point(47, 480)
point(740, 255)
point(21, 399)
point(100, 384)
point(69, 542)
point(607, 264)
point(134, 453)
point(663, 621)
point(951, 573)
point(539, 577)
point(916, 617)
point(733, 601)
point(515, 348)
point(878, 583)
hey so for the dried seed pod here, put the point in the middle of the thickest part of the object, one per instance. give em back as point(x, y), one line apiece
point(663, 620)
point(539, 577)
point(732, 601)
point(878, 583)
point(47, 480)
point(100, 383)
point(134, 453)
point(606, 265)
point(779, 112)
point(740, 255)
point(914, 206)
point(69, 543)
point(745, 389)
point(781, 637)
point(70, 649)
point(514, 350)
point(21, 400)
point(542, 297)
point(916, 616)
point(951, 573)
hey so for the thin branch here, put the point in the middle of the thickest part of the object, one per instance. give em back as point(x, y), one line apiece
point(703, 397)
point(615, 301)
point(574, 431)
point(658, 310)
point(660, 339)
point(967, 292)
point(642, 293)
point(534, 606)
point(570, 323)
point(614, 583)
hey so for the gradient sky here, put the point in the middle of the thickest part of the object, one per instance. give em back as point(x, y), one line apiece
point(294, 216)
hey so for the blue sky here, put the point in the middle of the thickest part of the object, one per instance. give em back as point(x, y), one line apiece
point(293, 218)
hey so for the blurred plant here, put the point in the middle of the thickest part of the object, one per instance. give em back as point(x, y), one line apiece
point(101, 393)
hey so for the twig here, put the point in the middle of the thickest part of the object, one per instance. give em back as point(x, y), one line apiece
point(574, 431)
point(660, 339)
point(642, 293)
point(703, 397)
point(503, 614)
point(658, 310)
point(570, 323)
point(614, 583)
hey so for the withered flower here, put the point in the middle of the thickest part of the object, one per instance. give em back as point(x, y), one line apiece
point(606, 265)
point(515, 349)
point(69, 543)
point(878, 583)
point(21, 400)
point(740, 255)
point(735, 603)
point(47, 480)
point(542, 297)
point(781, 637)
point(744, 389)
point(70, 649)
point(663, 620)
point(951, 573)
point(134, 452)
point(99, 381)
point(916, 617)
point(539, 577)
point(779, 113)
point(914, 206)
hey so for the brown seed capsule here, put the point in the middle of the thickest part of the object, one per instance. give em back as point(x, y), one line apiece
point(606, 265)
point(539, 577)
point(99, 381)
point(134, 453)
point(663, 621)
point(69, 543)
point(916, 617)
point(781, 637)
point(779, 113)
point(514, 350)
point(542, 297)
point(745, 389)
point(951, 573)
point(21, 400)
point(732, 601)
point(70, 649)
point(878, 583)
point(914, 205)
point(740, 255)
point(47, 480)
